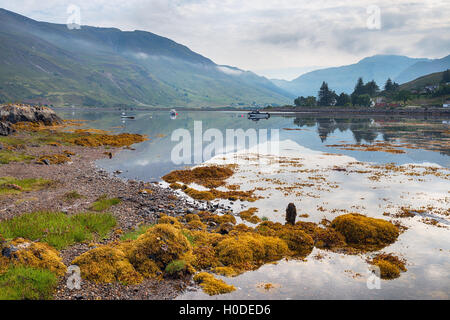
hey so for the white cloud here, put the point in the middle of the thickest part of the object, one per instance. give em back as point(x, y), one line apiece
point(230, 71)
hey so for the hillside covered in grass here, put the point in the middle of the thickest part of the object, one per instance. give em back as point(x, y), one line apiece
point(50, 64)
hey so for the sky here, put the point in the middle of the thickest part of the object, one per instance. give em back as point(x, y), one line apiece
point(275, 38)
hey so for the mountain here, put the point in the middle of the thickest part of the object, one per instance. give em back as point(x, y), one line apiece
point(432, 79)
point(106, 66)
point(423, 68)
point(378, 68)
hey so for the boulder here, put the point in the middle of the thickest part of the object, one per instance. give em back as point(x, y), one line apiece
point(291, 214)
point(26, 113)
point(5, 129)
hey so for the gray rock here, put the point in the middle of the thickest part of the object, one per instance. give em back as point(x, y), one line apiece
point(19, 113)
point(5, 129)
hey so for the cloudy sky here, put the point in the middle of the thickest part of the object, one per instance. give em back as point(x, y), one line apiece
point(275, 38)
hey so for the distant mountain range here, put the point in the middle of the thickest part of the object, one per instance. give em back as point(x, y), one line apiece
point(91, 66)
point(401, 69)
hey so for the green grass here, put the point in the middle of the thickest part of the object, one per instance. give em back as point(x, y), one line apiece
point(188, 236)
point(175, 266)
point(10, 185)
point(7, 156)
point(133, 235)
point(73, 195)
point(23, 283)
point(11, 141)
point(58, 229)
point(103, 203)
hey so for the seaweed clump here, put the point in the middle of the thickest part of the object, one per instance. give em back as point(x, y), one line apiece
point(250, 250)
point(249, 215)
point(53, 159)
point(212, 285)
point(107, 264)
point(365, 232)
point(157, 247)
point(390, 265)
point(87, 139)
point(208, 176)
point(32, 254)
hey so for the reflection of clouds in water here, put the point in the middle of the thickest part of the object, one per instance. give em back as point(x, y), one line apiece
point(437, 272)
point(141, 162)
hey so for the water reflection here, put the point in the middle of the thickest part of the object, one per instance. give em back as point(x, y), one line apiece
point(152, 159)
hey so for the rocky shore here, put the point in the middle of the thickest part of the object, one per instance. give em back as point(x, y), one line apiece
point(140, 204)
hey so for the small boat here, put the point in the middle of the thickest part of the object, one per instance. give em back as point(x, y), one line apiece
point(173, 114)
point(256, 115)
point(124, 116)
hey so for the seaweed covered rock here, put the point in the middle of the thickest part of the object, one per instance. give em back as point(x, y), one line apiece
point(208, 176)
point(328, 238)
point(205, 257)
point(269, 228)
point(249, 215)
point(298, 241)
point(33, 254)
point(106, 264)
point(225, 228)
point(360, 230)
point(158, 245)
point(165, 219)
point(96, 140)
point(390, 265)
point(212, 285)
point(195, 225)
point(250, 250)
point(53, 159)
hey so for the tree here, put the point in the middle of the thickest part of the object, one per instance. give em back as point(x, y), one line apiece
point(388, 85)
point(305, 102)
point(326, 97)
point(311, 101)
point(446, 76)
point(403, 95)
point(359, 90)
point(343, 100)
point(362, 100)
point(359, 87)
point(371, 88)
point(299, 101)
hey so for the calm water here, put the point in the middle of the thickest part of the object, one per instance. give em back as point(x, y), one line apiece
point(312, 152)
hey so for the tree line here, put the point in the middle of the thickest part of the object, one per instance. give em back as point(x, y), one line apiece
point(361, 96)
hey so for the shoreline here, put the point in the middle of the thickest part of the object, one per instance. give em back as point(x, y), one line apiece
point(84, 176)
point(412, 112)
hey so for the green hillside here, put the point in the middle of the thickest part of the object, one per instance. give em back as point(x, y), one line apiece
point(422, 82)
point(48, 63)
